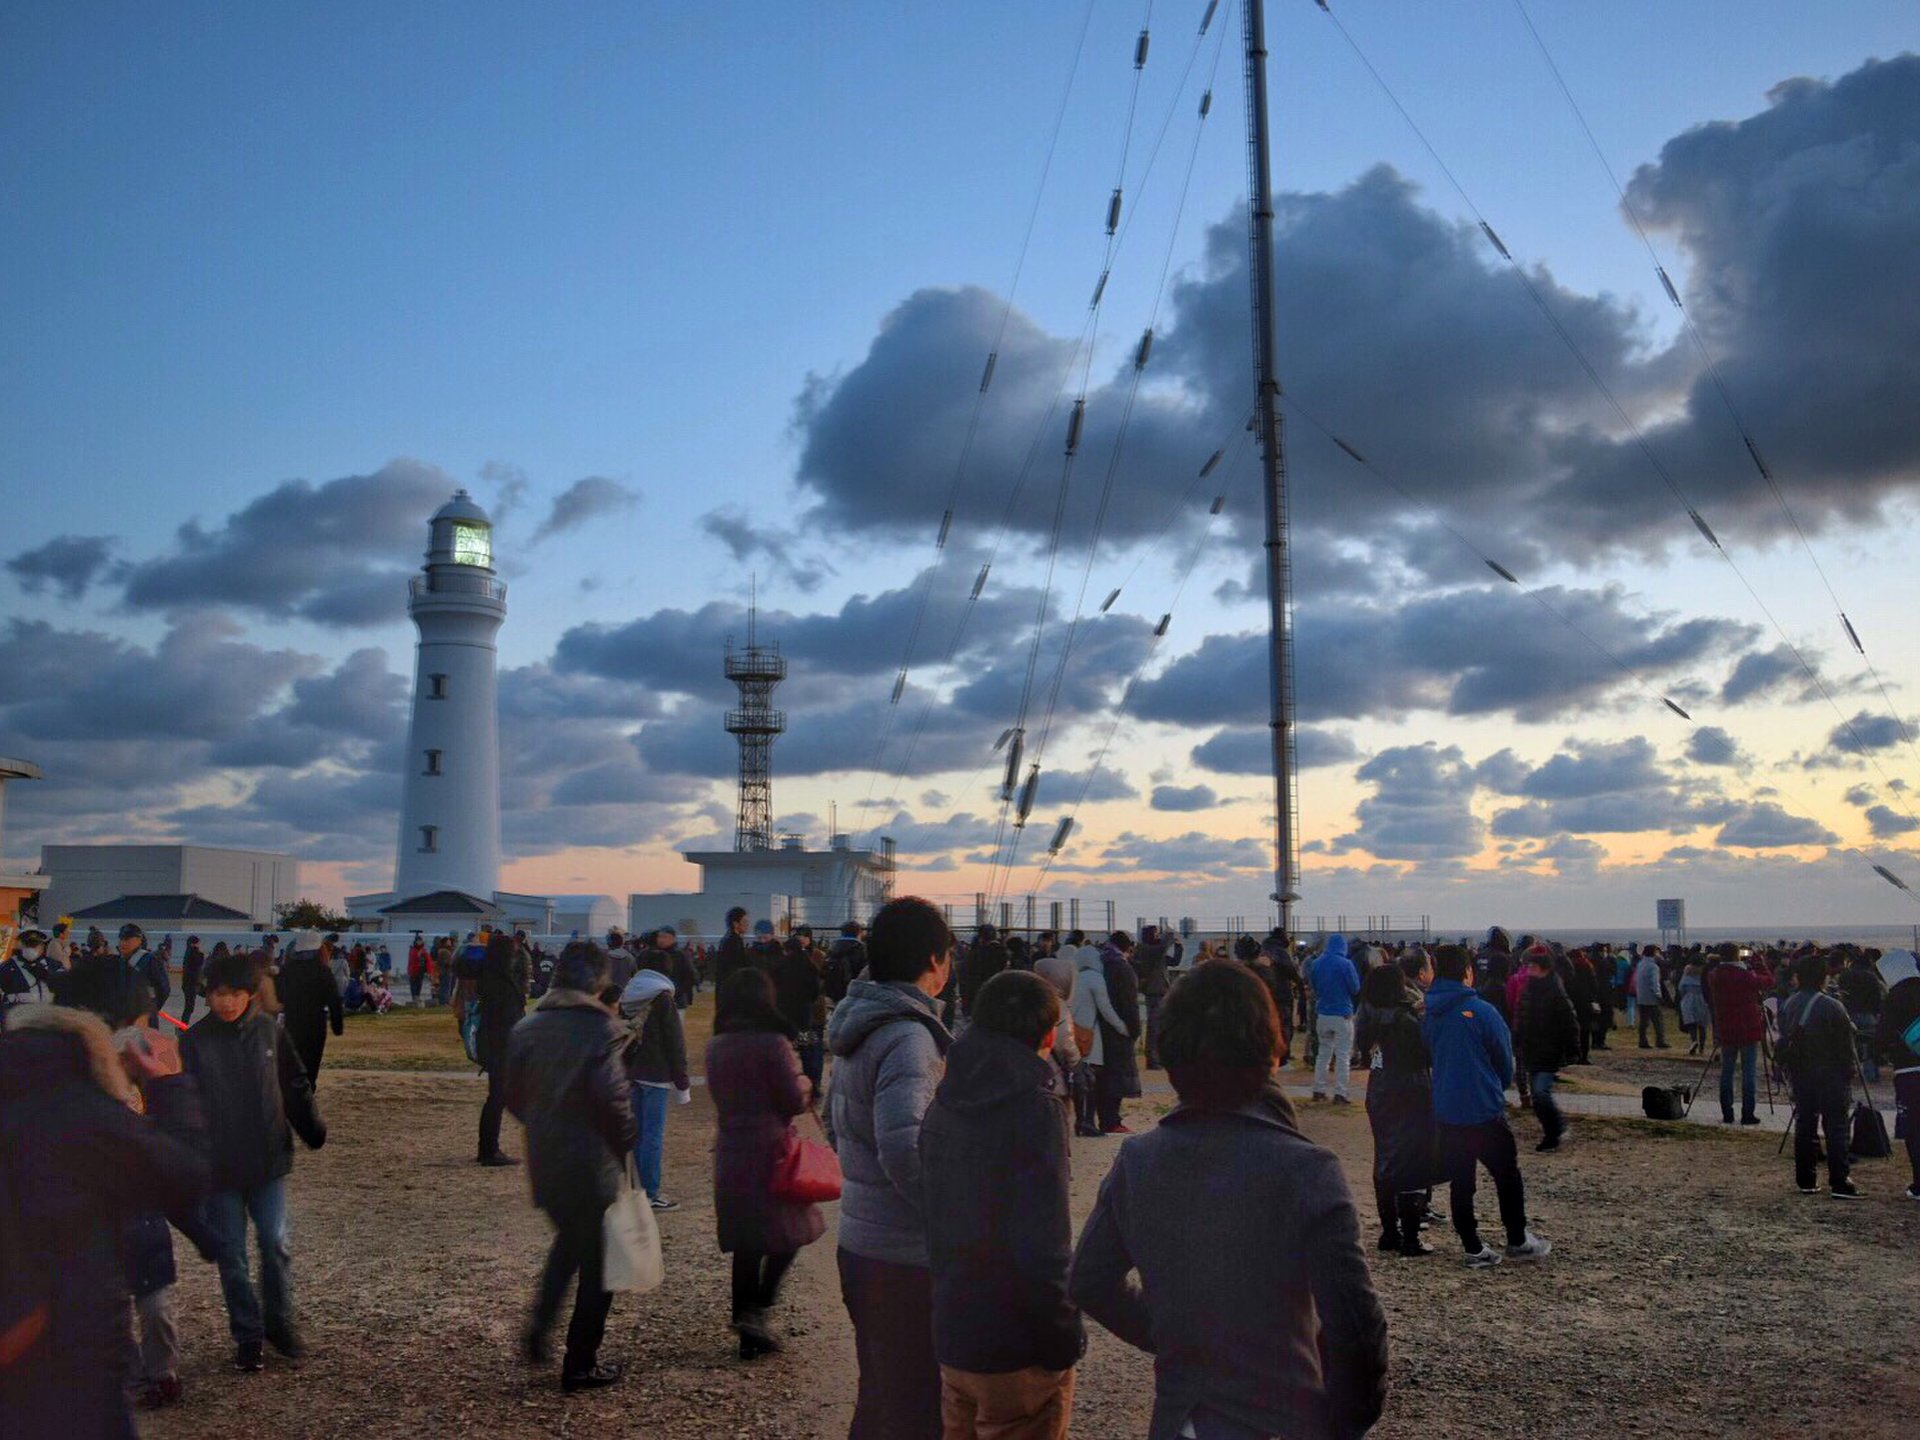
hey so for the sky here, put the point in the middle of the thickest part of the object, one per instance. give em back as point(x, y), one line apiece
point(689, 296)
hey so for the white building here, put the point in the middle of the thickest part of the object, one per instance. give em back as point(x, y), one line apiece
point(821, 888)
point(447, 866)
point(248, 883)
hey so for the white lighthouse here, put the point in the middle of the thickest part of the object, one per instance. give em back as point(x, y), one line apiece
point(450, 809)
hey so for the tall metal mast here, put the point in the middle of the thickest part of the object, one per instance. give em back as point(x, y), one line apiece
point(756, 670)
point(1286, 864)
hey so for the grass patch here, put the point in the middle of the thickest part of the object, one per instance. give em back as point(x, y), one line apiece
point(426, 1040)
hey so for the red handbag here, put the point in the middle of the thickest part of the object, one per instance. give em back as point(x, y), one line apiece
point(808, 1174)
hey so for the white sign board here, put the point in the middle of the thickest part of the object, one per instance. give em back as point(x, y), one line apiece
point(1672, 914)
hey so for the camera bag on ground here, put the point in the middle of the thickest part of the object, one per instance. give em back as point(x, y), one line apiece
point(1664, 1102)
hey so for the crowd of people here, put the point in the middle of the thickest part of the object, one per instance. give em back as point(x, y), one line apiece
point(950, 1080)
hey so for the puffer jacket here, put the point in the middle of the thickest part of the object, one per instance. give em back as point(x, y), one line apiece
point(1092, 1004)
point(889, 1047)
point(566, 1084)
point(1547, 1032)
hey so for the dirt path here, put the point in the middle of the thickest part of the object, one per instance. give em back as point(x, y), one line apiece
point(1692, 1293)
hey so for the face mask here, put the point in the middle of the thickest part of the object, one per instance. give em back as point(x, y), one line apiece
point(30, 952)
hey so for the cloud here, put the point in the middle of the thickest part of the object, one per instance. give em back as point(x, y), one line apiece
point(1420, 809)
point(1763, 673)
point(358, 538)
point(1250, 751)
point(584, 501)
point(1184, 797)
point(1412, 340)
point(1710, 745)
point(1598, 788)
point(1766, 826)
point(1461, 652)
point(1192, 855)
point(1866, 733)
point(1887, 822)
point(66, 564)
point(733, 528)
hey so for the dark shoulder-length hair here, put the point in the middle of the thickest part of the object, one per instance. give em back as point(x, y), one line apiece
point(1219, 1036)
point(744, 1006)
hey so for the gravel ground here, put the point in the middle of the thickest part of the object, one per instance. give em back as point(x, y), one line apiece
point(1691, 1292)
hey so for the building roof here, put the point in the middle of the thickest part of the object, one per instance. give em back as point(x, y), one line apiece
point(161, 907)
point(462, 507)
point(443, 902)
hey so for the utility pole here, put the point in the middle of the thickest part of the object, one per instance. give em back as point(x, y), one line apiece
point(1273, 466)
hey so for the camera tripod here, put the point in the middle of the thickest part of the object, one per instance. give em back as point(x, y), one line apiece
point(1713, 1054)
point(1866, 1091)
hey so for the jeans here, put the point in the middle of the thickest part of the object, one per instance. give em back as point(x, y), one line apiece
point(756, 1279)
point(1748, 1057)
point(227, 1213)
point(1465, 1147)
point(1821, 1098)
point(494, 1109)
point(891, 1307)
point(1552, 1122)
point(650, 1104)
point(1335, 1033)
point(1029, 1404)
point(579, 1247)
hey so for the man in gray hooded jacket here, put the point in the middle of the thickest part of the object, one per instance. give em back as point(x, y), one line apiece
point(889, 1051)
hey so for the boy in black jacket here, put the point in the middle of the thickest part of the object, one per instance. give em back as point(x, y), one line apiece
point(994, 1166)
point(256, 1095)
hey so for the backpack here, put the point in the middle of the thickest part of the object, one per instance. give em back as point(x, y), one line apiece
point(1663, 1102)
point(1869, 1138)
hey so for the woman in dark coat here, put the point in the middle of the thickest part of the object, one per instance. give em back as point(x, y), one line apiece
point(309, 997)
point(754, 1077)
point(1399, 1107)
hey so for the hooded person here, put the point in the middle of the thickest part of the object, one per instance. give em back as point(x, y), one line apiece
point(1096, 1019)
point(1399, 1106)
point(79, 1163)
point(1897, 1038)
point(1336, 992)
point(994, 1149)
point(846, 960)
point(310, 998)
point(889, 1049)
point(1472, 1053)
point(656, 1061)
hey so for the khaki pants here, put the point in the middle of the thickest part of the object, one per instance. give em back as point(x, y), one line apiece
point(1030, 1404)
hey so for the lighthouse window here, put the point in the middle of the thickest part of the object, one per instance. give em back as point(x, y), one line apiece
point(436, 687)
point(429, 839)
point(433, 762)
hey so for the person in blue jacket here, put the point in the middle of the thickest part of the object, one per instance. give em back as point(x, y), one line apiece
point(1336, 988)
point(1472, 1067)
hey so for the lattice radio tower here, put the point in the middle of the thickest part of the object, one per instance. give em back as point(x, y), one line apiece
point(756, 670)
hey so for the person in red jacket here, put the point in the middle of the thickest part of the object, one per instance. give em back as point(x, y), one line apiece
point(1735, 991)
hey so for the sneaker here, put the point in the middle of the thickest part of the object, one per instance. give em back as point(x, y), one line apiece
point(597, 1378)
point(1341, 1100)
point(661, 1202)
point(1532, 1248)
point(498, 1160)
point(1482, 1259)
point(1845, 1190)
point(1389, 1242)
point(250, 1357)
point(1749, 1119)
point(1548, 1145)
point(162, 1392)
point(1415, 1247)
point(1433, 1217)
point(1318, 1096)
point(1809, 1189)
point(1086, 1133)
point(286, 1340)
point(1913, 1192)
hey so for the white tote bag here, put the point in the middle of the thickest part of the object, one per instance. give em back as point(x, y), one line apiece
point(632, 1240)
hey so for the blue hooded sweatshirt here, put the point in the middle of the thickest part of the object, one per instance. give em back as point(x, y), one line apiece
point(1472, 1055)
point(1336, 984)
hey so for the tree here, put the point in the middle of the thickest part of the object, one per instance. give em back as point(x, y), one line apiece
point(309, 915)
